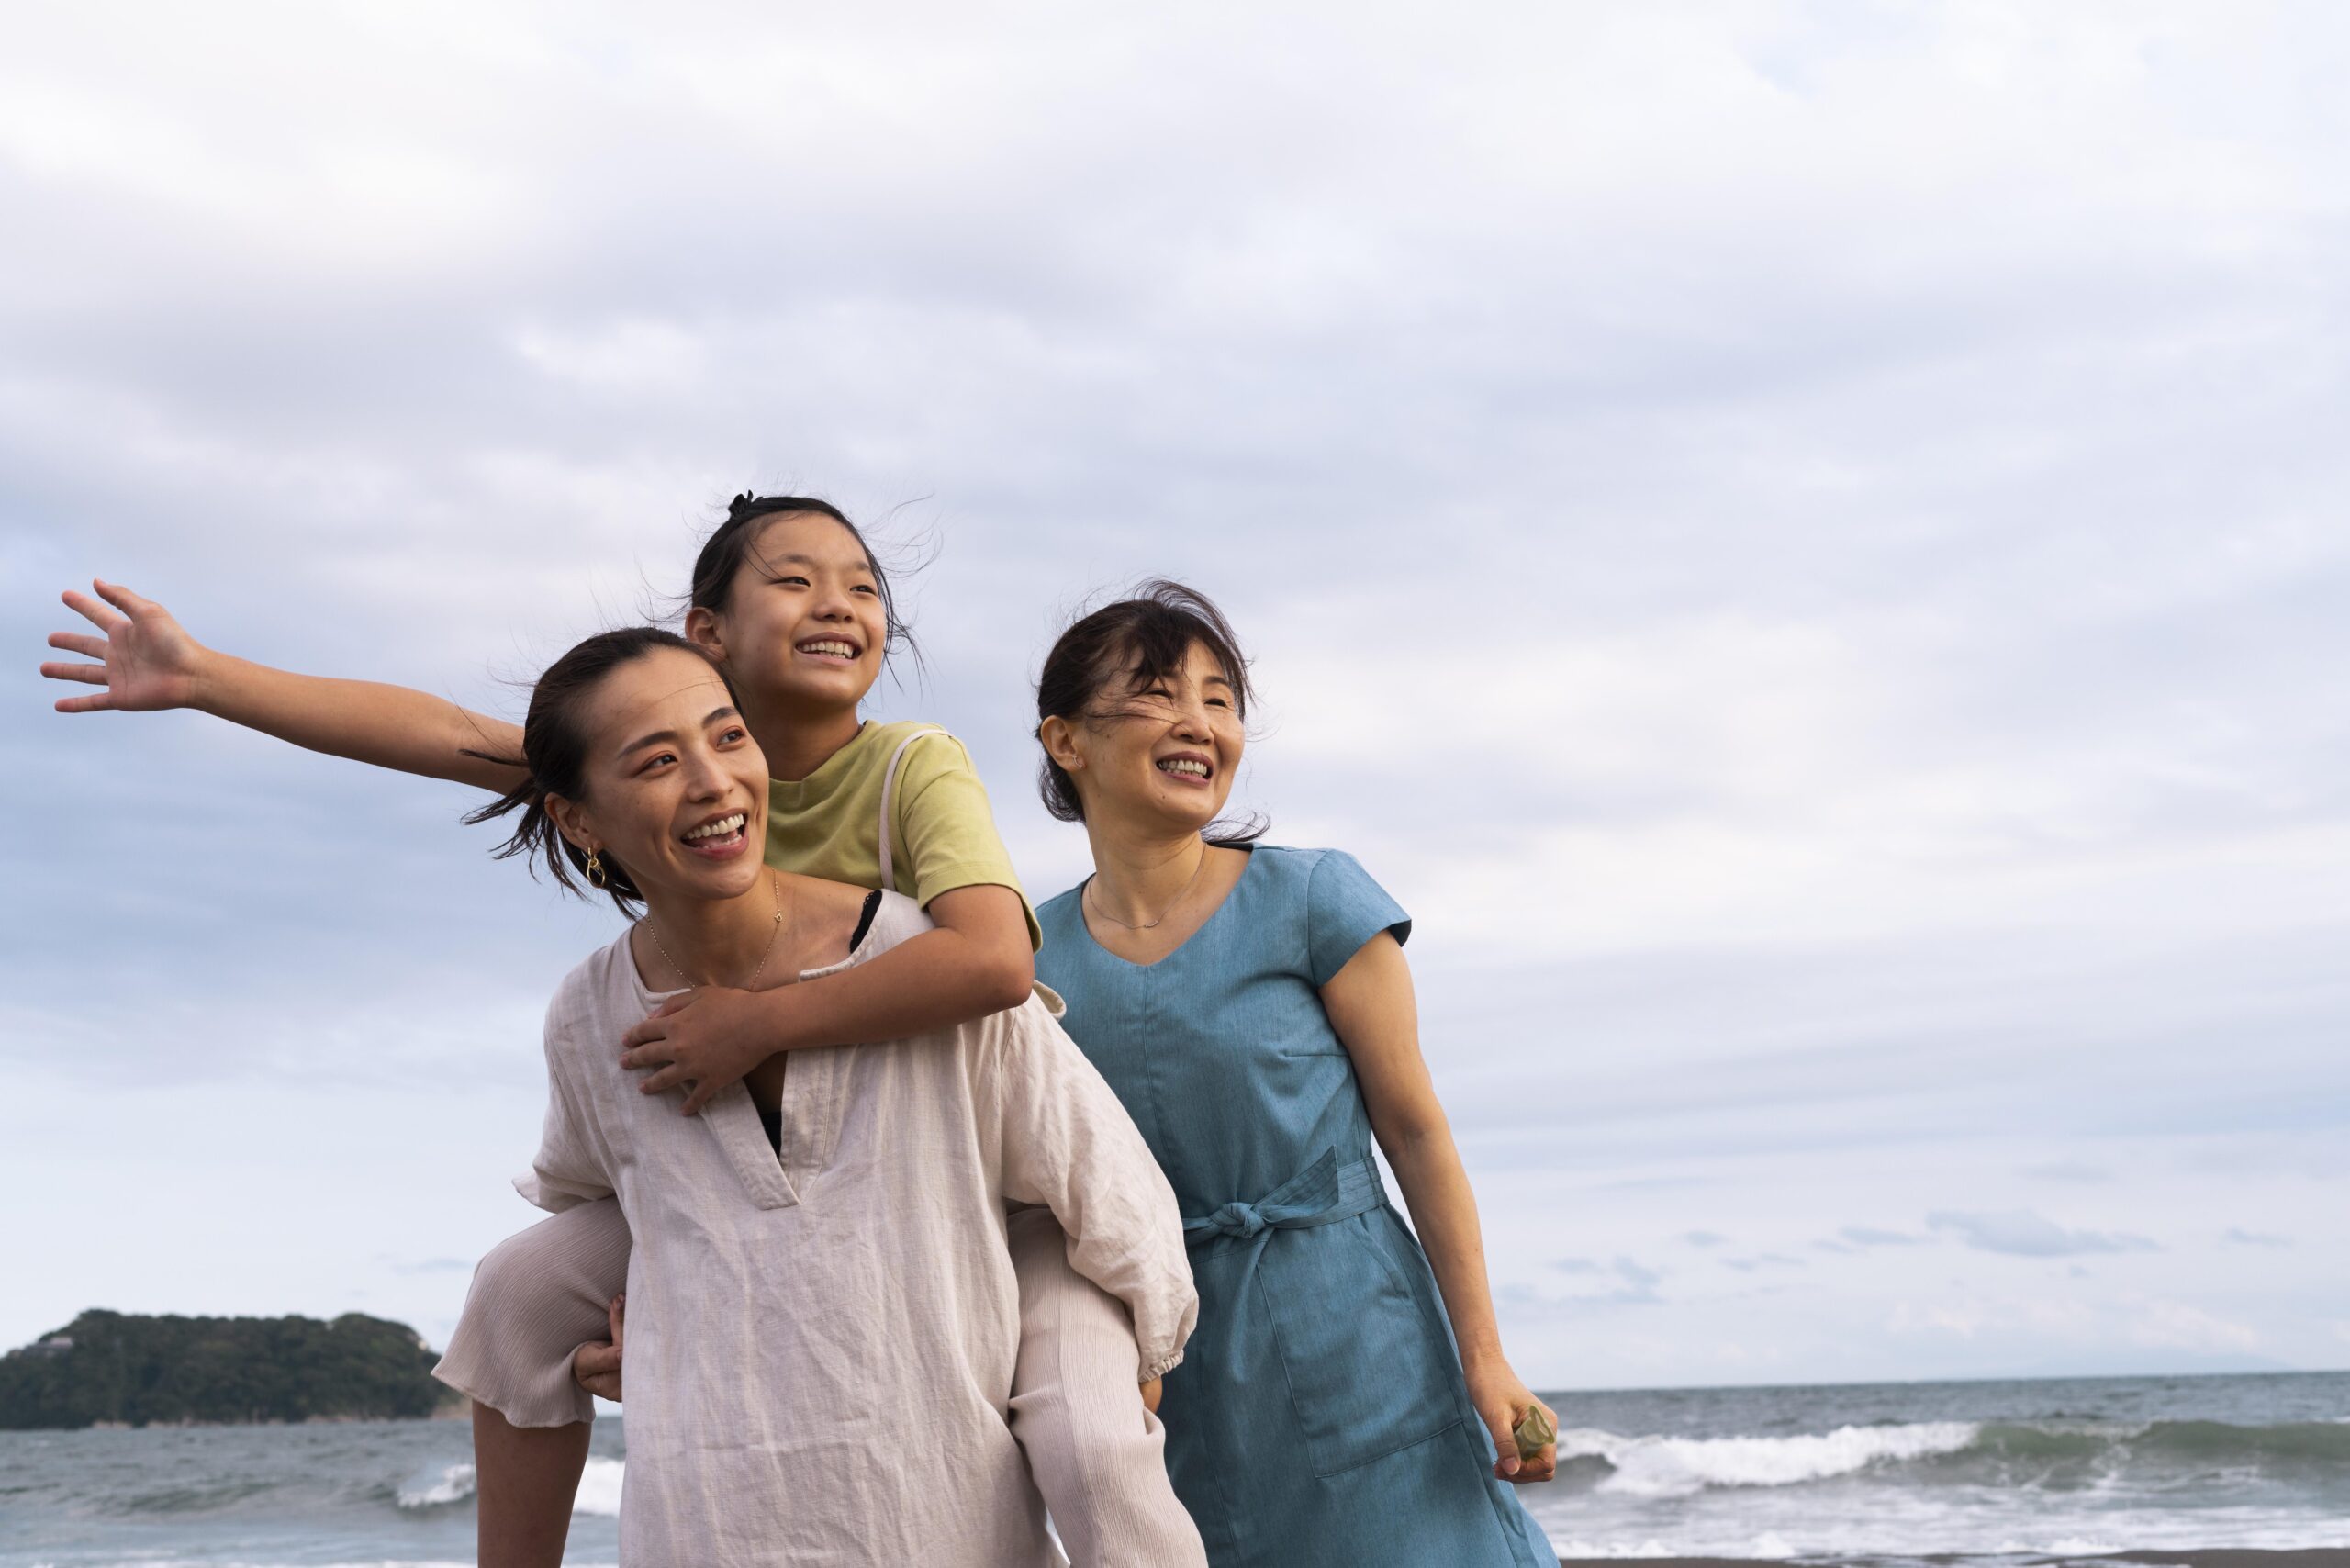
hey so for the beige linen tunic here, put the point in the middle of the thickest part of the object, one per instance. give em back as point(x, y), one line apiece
point(821, 1346)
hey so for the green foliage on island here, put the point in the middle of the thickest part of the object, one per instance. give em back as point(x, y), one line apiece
point(114, 1367)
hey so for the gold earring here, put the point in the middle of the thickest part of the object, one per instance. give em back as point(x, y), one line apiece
point(596, 876)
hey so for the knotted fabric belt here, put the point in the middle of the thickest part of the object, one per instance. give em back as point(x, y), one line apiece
point(1323, 1192)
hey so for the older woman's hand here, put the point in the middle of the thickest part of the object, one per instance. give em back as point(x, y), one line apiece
point(1503, 1400)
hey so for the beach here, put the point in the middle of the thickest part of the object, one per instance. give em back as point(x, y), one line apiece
point(2230, 1472)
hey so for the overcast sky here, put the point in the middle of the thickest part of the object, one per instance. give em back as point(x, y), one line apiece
point(1803, 542)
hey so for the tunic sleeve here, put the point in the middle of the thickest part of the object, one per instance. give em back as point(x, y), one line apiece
point(1067, 1142)
point(1345, 909)
point(569, 1169)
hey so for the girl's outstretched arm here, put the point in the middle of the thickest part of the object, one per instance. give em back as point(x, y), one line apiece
point(146, 661)
point(1372, 1006)
point(977, 962)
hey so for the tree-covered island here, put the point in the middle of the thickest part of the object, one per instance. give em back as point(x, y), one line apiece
point(119, 1368)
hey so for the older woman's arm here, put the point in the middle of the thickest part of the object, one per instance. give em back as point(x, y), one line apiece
point(1372, 1006)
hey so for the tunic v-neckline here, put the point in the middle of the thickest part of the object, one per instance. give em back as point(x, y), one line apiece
point(1214, 915)
point(809, 1114)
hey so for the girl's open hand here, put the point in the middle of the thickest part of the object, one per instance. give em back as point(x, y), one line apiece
point(704, 1039)
point(147, 660)
point(1503, 1401)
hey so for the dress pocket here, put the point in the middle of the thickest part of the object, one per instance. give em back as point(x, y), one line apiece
point(1370, 1371)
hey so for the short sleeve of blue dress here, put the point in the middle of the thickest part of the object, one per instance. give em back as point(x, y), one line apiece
point(1319, 1418)
point(1345, 909)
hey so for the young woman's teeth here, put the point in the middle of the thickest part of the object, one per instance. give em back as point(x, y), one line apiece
point(1184, 766)
point(838, 650)
point(724, 827)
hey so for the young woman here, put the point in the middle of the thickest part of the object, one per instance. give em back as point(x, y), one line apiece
point(789, 603)
point(801, 1293)
point(1251, 1007)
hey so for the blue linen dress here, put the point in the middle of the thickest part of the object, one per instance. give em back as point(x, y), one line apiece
point(1319, 1416)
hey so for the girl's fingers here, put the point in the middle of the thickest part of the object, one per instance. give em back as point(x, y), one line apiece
point(644, 1033)
point(90, 610)
point(92, 675)
point(121, 598)
point(80, 643)
point(101, 703)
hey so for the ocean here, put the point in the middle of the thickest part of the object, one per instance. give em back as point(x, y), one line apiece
point(2038, 1472)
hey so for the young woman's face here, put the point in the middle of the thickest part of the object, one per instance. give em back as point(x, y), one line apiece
point(1164, 752)
point(804, 624)
point(676, 787)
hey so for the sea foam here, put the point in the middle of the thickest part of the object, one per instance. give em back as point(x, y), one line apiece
point(599, 1488)
point(1674, 1467)
point(453, 1484)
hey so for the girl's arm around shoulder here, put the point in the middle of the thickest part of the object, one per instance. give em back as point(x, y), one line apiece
point(1063, 1140)
point(972, 962)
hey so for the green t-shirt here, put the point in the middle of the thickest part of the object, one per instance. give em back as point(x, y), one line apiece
point(941, 833)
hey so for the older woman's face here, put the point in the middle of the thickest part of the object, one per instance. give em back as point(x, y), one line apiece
point(677, 789)
point(1162, 752)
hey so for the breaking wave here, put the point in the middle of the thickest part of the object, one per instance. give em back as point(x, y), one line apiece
point(2054, 1454)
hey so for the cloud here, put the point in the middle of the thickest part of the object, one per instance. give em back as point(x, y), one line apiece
point(2236, 1235)
point(1763, 1261)
point(2068, 1170)
point(1901, 564)
point(1867, 1236)
point(2021, 1233)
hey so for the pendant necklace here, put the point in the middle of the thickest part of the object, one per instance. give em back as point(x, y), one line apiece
point(1163, 913)
point(775, 884)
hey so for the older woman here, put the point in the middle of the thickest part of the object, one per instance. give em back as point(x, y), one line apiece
point(1251, 1007)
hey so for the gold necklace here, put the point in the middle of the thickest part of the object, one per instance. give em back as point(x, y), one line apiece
point(775, 884)
point(1162, 913)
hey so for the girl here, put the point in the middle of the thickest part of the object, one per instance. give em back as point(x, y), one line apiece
point(789, 603)
point(1251, 1007)
point(801, 1293)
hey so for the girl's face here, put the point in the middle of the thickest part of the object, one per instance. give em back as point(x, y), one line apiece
point(1162, 753)
point(803, 625)
point(676, 789)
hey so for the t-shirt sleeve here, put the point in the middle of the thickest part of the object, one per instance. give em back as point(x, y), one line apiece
point(947, 829)
point(1345, 909)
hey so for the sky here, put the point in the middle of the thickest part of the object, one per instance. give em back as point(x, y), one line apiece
point(1804, 543)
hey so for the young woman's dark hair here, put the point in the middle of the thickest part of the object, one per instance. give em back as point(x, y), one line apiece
point(554, 755)
point(736, 541)
point(1132, 645)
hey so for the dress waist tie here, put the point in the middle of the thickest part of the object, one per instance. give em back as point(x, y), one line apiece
point(1322, 1192)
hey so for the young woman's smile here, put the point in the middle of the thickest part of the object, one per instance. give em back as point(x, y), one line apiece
point(676, 787)
point(719, 839)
